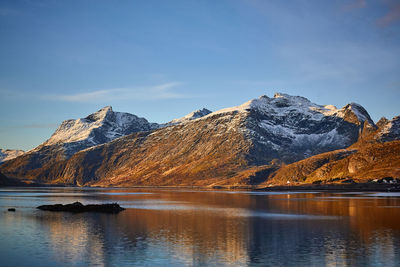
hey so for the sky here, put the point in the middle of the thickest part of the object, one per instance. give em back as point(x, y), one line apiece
point(163, 59)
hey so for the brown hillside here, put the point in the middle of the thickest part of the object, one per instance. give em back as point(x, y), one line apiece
point(361, 162)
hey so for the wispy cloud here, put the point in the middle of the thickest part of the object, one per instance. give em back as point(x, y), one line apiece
point(392, 16)
point(161, 91)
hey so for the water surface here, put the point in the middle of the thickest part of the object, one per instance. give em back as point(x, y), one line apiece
point(200, 228)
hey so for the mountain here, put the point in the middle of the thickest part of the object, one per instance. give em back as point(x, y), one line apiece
point(376, 156)
point(291, 128)
point(237, 145)
point(192, 116)
point(72, 136)
point(100, 127)
point(389, 129)
point(7, 154)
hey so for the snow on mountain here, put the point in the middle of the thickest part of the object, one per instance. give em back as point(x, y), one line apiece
point(281, 128)
point(192, 116)
point(100, 127)
point(284, 105)
point(290, 127)
point(286, 125)
point(7, 154)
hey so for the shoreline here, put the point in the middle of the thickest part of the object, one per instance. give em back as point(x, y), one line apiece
point(364, 187)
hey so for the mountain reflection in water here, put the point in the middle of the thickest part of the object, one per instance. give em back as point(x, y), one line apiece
point(198, 228)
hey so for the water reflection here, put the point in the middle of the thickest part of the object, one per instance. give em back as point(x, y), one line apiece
point(193, 228)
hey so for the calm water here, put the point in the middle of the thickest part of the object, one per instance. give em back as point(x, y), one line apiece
point(201, 228)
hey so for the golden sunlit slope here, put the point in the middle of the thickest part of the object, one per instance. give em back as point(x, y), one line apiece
point(185, 154)
point(364, 163)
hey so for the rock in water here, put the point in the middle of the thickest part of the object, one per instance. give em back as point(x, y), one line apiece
point(79, 207)
point(11, 209)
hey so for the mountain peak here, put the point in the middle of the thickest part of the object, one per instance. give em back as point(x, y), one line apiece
point(279, 103)
point(291, 97)
point(360, 112)
point(199, 113)
point(278, 95)
point(101, 114)
point(192, 116)
point(99, 127)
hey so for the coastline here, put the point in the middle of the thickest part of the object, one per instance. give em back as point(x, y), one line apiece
point(359, 187)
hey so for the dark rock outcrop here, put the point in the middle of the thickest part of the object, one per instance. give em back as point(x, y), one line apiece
point(77, 207)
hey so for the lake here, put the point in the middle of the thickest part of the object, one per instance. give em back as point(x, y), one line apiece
point(200, 228)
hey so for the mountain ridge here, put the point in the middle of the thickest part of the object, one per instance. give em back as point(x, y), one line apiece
point(245, 144)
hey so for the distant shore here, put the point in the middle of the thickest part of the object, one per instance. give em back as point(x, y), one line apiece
point(377, 187)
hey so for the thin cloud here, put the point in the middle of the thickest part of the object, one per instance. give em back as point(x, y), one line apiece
point(392, 16)
point(162, 91)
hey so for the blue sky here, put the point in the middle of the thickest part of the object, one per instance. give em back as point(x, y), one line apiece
point(162, 59)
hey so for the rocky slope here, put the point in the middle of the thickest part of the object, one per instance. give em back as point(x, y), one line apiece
point(7, 154)
point(389, 130)
point(238, 145)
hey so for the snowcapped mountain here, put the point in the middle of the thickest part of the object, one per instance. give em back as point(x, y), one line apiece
point(291, 128)
point(191, 116)
point(72, 136)
point(7, 154)
point(202, 148)
point(100, 127)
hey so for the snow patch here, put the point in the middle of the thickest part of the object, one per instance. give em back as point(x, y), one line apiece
point(7, 154)
point(191, 116)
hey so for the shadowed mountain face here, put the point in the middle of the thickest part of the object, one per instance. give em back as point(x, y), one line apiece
point(229, 146)
point(389, 130)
